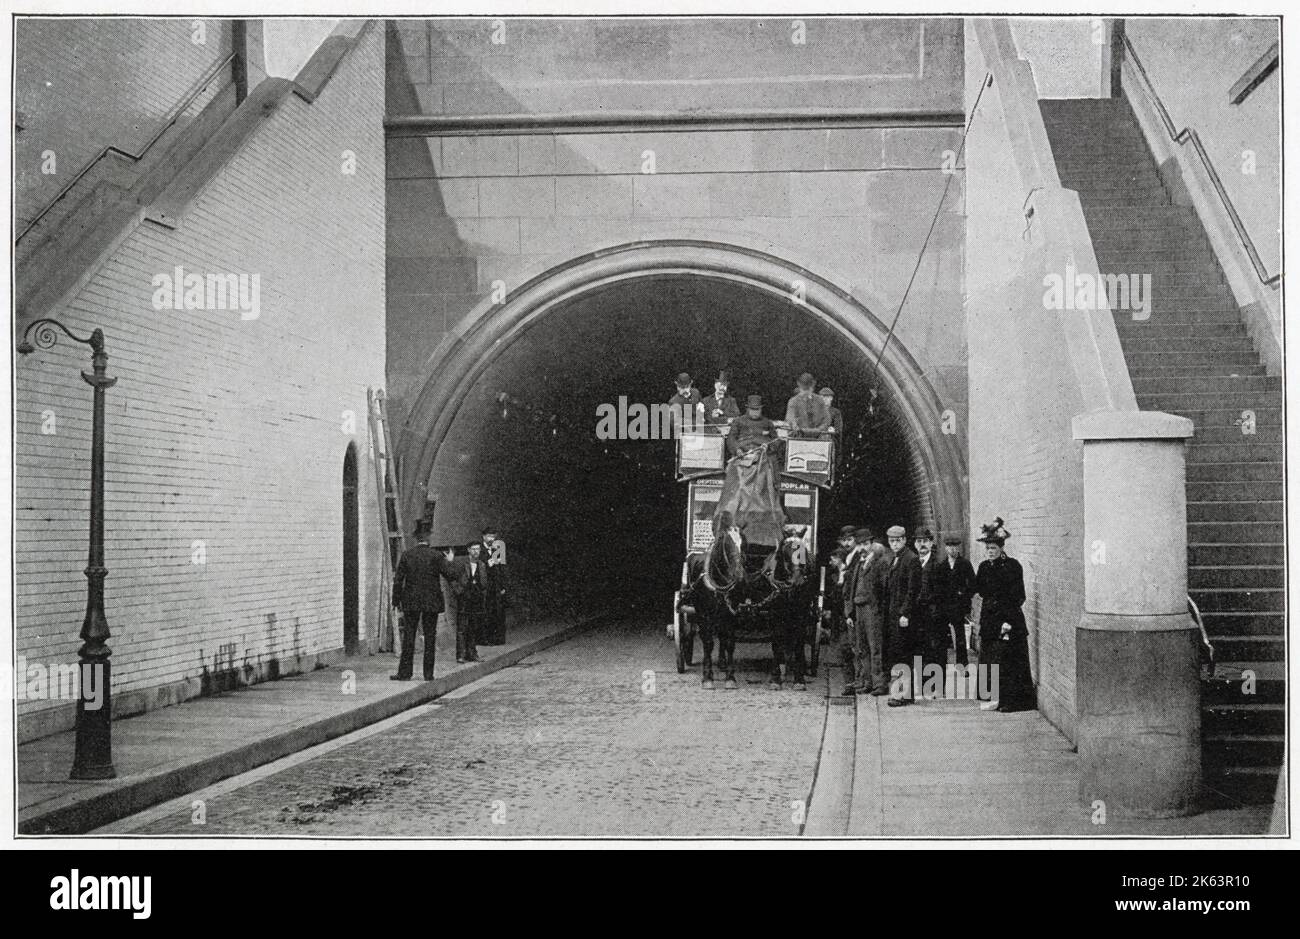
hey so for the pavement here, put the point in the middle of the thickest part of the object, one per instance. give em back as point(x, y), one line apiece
point(945, 769)
point(170, 751)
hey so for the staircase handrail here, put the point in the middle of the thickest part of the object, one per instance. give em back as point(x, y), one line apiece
point(1182, 137)
point(205, 80)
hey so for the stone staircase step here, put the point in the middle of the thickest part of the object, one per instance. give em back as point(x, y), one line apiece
point(1235, 786)
point(1207, 344)
point(1207, 578)
point(1208, 554)
point(1255, 648)
point(1232, 436)
point(1200, 452)
point(1139, 359)
point(1257, 717)
point(1248, 511)
point(1227, 491)
point(1246, 623)
point(1152, 328)
point(1239, 599)
point(1239, 749)
point(1265, 404)
point(1235, 472)
point(1182, 375)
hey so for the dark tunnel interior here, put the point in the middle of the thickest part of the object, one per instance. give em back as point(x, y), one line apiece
point(588, 520)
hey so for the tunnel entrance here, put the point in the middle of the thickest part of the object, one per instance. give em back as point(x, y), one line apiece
point(505, 431)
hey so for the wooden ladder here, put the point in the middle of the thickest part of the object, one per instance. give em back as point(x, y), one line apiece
point(390, 509)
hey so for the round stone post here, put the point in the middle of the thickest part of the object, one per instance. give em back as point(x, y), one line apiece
point(1137, 650)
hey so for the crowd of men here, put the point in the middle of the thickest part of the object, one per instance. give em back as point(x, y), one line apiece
point(901, 606)
point(477, 580)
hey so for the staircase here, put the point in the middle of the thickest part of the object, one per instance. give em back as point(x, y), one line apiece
point(1193, 357)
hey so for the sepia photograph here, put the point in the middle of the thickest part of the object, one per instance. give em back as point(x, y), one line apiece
point(715, 426)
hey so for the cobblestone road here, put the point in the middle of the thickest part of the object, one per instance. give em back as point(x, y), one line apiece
point(567, 743)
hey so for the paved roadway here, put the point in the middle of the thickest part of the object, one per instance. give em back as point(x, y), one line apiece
point(574, 741)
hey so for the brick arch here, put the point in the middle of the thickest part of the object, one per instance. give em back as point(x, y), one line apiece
point(939, 465)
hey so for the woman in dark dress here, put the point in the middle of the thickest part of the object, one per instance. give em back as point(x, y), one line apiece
point(1004, 637)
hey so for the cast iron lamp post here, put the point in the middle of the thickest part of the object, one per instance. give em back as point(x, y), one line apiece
point(94, 750)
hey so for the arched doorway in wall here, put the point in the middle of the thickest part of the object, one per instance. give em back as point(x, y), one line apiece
point(351, 554)
point(622, 322)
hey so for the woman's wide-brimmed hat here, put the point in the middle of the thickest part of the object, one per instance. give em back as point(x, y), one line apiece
point(994, 533)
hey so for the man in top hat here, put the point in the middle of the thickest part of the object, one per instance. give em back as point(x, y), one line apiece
point(751, 429)
point(749, 489)
point(687, 405)
point(720, 408)
point(900, 630)
point(958, 587)
point(866, 602)
point(417, 592)
point(806, 412)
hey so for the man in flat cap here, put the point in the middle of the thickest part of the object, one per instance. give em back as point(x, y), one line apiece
point(900, 632)
point(720, 408)
point(957, 591)
point(806, 412)
point(837, 424)
point(837, 418)
point(417, 592)
point(687, 405)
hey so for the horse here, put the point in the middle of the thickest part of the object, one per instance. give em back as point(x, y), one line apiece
point(788, 596)
point(716, 587)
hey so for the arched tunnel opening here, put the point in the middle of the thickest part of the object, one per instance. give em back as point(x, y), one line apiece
point(590, 522)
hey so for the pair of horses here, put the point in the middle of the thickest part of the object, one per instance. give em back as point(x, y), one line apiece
point(769, 595)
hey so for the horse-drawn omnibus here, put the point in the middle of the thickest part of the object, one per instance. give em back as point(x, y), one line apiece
point(755, 586)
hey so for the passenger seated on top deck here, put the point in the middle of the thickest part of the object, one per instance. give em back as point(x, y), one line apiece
point(807, 413)
point(720, 408)
point(751, 430)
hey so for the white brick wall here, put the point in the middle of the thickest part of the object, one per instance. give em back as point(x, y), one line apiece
point(219, 429)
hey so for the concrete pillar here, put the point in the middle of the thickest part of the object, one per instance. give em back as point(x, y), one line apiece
point(1137, 651)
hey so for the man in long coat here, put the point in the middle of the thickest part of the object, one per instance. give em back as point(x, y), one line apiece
point(866, 601)
point(900, 631)
point(417, 592)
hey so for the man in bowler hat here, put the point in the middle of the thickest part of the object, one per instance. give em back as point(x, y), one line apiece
point(417, 592)
point(470, 589)
point(687, 406)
